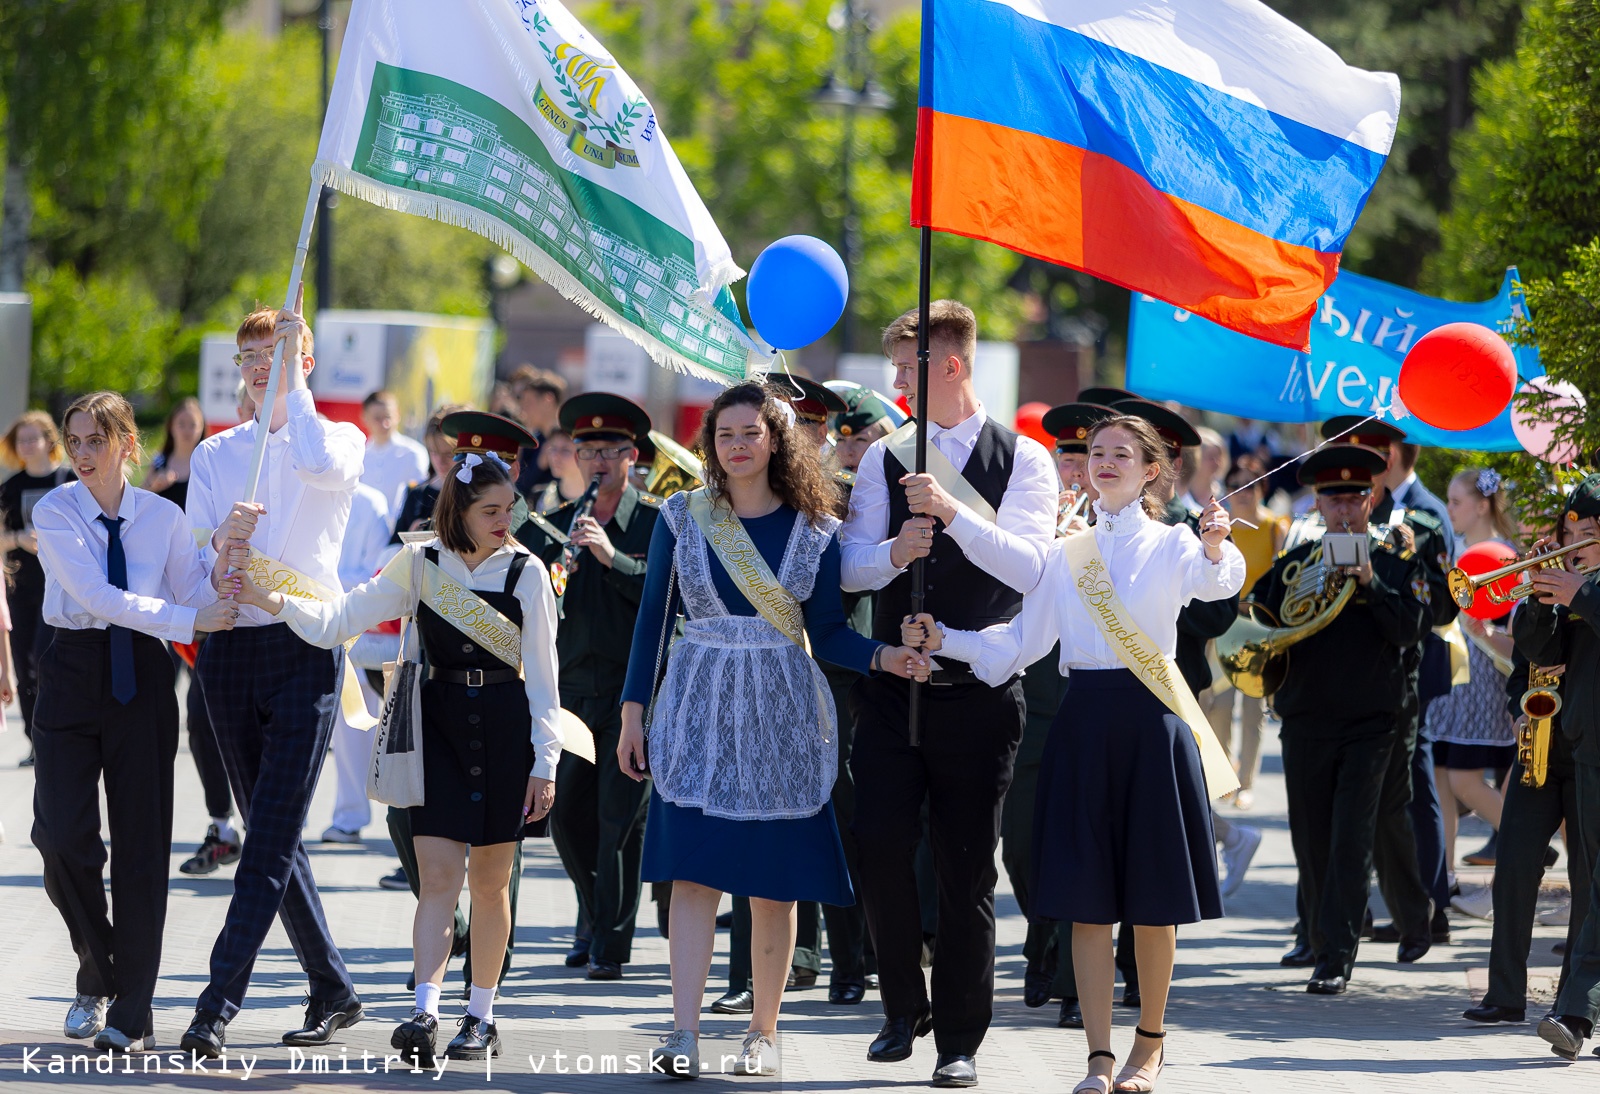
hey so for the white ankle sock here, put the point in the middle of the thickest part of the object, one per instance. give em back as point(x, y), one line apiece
point(428, 998)
point(481, 1004)
point(225, 829)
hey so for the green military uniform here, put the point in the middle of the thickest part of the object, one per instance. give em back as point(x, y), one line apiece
point(1339, 705)
point(1552, 635)
point(597, 824)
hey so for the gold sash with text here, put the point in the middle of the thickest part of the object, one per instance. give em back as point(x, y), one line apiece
point(738, 554)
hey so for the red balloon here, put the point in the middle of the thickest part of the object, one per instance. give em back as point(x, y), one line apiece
point(1030, 423)
point(1458, 376)
point(1480, 559)
point(905, 405)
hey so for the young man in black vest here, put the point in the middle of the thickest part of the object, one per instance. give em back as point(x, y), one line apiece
point(983, 518)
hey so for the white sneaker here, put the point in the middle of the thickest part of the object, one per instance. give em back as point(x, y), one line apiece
point(758, 1055)
point(1479, 904)
point(114, 1040)
point(86, 1017)
point(335, 834)
point(1559, 916)
point(1244, 798)
point(678, 1056)
point(1237, 851)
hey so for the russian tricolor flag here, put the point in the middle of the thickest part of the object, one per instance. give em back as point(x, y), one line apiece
point(1207, 152)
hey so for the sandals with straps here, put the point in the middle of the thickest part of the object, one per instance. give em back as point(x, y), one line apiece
point(1096, 1084)
point(1139, 1080)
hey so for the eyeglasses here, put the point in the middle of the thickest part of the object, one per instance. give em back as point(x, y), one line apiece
point(605, 453)
point(253, 357)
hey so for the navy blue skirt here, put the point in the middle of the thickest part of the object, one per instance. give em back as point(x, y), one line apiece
point(1122, 820)
point(781, 860)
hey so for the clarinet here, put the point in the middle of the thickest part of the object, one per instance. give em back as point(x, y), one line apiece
point(585, 506)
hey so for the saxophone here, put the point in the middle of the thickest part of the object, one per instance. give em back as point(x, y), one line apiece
point(1540, 705)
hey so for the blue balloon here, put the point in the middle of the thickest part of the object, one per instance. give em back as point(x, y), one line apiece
point(797, 291)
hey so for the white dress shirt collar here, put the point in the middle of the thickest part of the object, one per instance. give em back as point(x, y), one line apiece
point(964, 434)
point(1126, 522)
point(90, 508)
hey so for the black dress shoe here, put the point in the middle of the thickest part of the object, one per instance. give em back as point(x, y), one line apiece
point(1130, 995)
point(872, 981)
point(1366, 924)
point(1564, 1034)
point(725, 921)
point(898, 1035)
point(1488, 1013)
point(846, 993)
point(1326, 985)
point(1071, 1015)
point(417, 1039)
point(605, 970)
point(323, 1020)
point(1412, 952)
point(478, 1040)
point(1384, 932)
point(207, 1035)
point(953, 1070)
point(1036, 988)
point(735, 1002)
point(1300, 957)
point(578, 956)
point(801, 978)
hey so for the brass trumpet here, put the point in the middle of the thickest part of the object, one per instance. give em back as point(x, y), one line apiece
point(1540, 704)
point(1464, 586)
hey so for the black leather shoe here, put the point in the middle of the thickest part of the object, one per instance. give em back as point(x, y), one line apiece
point(605, 970)
point(1384, 932)
point(846, 993)
point(1488, 1013)
point(578, 956)
point(1366, 924)
point(478, 1040)
point(1071, 1015)
point(1562, 1031)
point(1300, 957)
point(801, 978)
point(898, 1035)
point(1440, 927)
point(1412, 952)
point(207, 1035)
point(735, 1002)
point(323, 1020)
point(1326, 985)
point(417, 1039)
point(1130, 995)
point(953, 1070)
point(1036, 988)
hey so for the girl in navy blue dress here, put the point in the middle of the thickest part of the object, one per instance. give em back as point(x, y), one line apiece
point(740, 739)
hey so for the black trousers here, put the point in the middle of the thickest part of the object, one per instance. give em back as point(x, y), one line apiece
point(272, 700)
point(30, 634)
point(597, 825)
point(81, 735)
point(203, 746)
point(848, 949)
point(1580, 995)
point(405, 849)
point(1334, 785)
point(961, 770)
point(1394, 847)
point(1529, 819)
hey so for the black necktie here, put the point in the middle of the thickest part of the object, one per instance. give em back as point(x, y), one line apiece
point(123, 686)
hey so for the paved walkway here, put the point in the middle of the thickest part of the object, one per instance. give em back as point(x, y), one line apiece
point(1239, 1023)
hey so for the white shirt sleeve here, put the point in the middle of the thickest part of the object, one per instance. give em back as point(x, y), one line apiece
point(1204, 579)
point(865, 539)
point(1013, 546)
point(539, 668)
point(324, 455)
point(329, 623)
point(73, 564)
point(200, 504)
point(188, 573)
point(999, 652)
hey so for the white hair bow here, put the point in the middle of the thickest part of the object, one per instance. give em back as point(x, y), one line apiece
point(464, 472)
point(786, 408)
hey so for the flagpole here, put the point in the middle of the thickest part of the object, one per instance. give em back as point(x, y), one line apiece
point(296, 276)
point(919, 588)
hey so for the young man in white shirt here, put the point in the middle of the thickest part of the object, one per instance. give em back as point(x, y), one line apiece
point(982, 555)
point(392, 461)
point(272, 697)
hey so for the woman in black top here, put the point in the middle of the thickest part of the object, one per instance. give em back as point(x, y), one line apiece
point(416, 510)
point(33, 445)
point(169, 470)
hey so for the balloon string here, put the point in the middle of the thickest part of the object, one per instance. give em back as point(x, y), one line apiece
point(1297, 459)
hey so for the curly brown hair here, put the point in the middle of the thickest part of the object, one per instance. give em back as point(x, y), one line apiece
point(795, 474)
point(1152, 449)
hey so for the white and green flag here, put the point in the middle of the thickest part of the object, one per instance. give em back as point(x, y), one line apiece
point(508, 118)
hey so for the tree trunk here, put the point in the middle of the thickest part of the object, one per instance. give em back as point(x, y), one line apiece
point(16, 220)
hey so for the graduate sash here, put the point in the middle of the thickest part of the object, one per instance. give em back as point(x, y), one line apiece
point(1143, 657)
point(274, 576)
point(738, 554)
point(902, 443)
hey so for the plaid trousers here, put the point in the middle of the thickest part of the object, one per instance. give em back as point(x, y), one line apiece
point(272, 700)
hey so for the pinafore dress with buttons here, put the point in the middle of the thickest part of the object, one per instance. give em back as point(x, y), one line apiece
point(476, 745)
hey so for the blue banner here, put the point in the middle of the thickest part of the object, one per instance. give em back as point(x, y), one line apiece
point(1362, 331)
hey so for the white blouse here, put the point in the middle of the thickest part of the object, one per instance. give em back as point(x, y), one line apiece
point(1156, 570)
point(388, 596)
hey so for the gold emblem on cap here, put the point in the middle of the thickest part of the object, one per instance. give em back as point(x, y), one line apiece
point(477, 440)
point(1082, 433)
point(845, 431)
point(1572, 516)
point(1344, 473)
point(597, 421)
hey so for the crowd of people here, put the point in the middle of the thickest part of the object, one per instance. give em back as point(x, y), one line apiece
point(812, 679)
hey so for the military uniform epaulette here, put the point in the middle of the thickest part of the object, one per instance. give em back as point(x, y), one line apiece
point(651, 500)
point(846, 477)
point(1424, 519)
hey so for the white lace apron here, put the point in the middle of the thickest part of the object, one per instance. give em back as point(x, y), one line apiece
point(736, 731)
